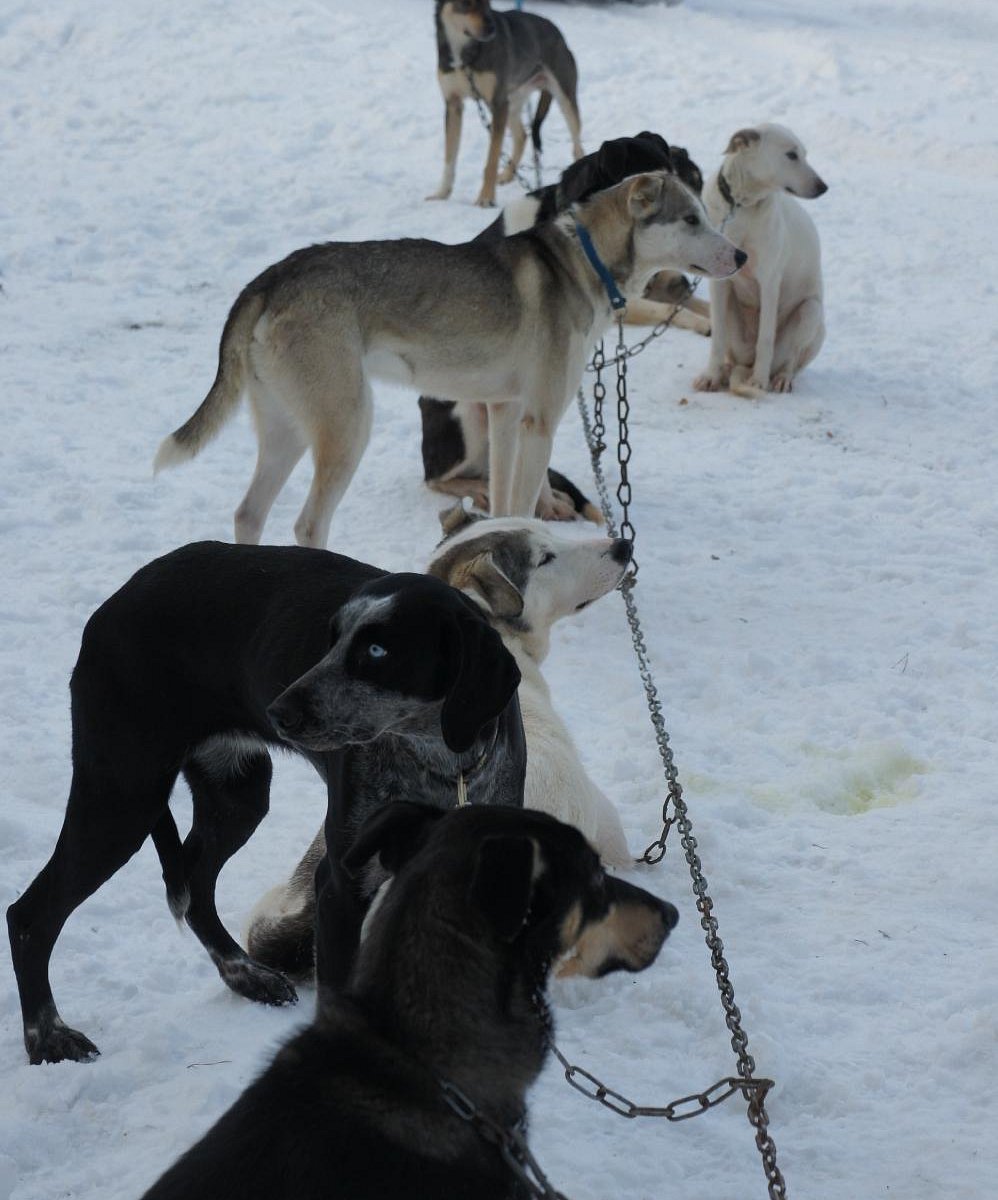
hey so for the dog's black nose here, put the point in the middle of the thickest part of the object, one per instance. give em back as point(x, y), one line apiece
point(622, 550)
point(741, 258)
point(286, 715)
point(820, 188)
point(670, 914)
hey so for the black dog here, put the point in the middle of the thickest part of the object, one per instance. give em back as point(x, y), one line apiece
point(186, 669)
point(455, 436)
point(446, 997)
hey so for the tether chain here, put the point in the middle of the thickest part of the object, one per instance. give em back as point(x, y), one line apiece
point(482, 105)
point(511, 1142)
point(632, 351)
point(754, 1089)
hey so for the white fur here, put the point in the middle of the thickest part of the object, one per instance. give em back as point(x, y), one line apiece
point(767, 322)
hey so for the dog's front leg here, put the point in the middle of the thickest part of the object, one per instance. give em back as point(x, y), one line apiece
point(769, 296)
point(453, 117)
point(500, 114)
point(715, 378)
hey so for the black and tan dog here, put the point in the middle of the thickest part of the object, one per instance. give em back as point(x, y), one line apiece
point(503, 57)
point(398, 686)
point(455, 436)
point(447, 992)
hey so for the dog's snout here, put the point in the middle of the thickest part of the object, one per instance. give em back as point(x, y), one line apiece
point(622, 550)
point(670, 915)
point(286, 715)
point(741, 258)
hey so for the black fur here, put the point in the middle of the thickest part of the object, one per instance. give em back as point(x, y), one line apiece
point(199, 648)
point(443, 443)
point(447, 987)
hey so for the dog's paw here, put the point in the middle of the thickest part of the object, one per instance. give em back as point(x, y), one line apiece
point(439, 194)
point(58, 1043)
point(709, 381)
point(257, 982)
point(781, 383)
point(558, 508)
point(485, 200)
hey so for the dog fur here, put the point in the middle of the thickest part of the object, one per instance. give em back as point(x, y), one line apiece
point(524, 579)
point(507, 324)
point(388, 684)
point(508, 55)
point(768, 323)
point(447, 990)
point(455, 440)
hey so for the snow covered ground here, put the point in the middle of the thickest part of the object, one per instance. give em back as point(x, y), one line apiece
point(818, 571)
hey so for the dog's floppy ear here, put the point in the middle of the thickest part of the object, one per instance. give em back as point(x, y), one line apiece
point(741, 139)
point(503, 883)
point(644, 195)
point(394, 833)
point(483, 677)
point(483, 576)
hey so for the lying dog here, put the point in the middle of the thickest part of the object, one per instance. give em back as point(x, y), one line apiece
point(507, 324)
point(524, 579)
point(401, 688)
point(455, 436)
point(446, 998)
point(768, 324)
point(502, 57)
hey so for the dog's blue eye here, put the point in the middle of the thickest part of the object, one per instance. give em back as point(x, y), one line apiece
point(692, 220)
point(792, 155)
point(376, 651)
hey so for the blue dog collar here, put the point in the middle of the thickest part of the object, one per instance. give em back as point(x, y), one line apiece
point(617, 301)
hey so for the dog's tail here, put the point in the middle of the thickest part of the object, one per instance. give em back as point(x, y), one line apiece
point(582, 504)
point(543, 107)
point(166, 839)
point(223, 398)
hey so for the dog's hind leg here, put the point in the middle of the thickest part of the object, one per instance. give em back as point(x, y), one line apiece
point(105, 824)
point(230, 785)
point(340, 427)
point(797, 343)
point(566, 99)
point(281, 445)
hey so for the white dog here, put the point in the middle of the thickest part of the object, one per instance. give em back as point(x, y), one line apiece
point(767, 321)
point(525, 578)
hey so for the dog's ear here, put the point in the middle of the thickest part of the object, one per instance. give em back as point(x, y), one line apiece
point(457, 517)
point(741, 139)
point(644, 195)
point(483, 677)
point(502, 885)
point(394, 833)
point(483, 576)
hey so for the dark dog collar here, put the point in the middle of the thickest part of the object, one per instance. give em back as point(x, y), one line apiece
point(725, 189)
point(617, 301)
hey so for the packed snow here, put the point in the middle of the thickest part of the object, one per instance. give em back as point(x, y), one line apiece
point(818, 571)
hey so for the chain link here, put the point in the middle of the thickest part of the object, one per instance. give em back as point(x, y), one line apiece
point(674, 812)
point(626, 352)
point(511, 1142)
point(482, 105)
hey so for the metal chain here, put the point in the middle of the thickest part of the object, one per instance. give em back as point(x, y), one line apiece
point(679, 815)
point(511, 1142)
point(625, 352)
point(482, 105)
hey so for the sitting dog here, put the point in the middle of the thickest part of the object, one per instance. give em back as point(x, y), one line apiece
point(455, 436)
point(524, 579)
point(501, 57)
point(401, 688)
point(506, 324)
point(768, 324)
point(443, 1019)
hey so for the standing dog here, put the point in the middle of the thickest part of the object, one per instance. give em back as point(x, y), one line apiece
point(502, 57)
point(443, 1024)
point(523, 579)
point(455, 436)
point(769, 323)
point(401, 688)
point(507, 324)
